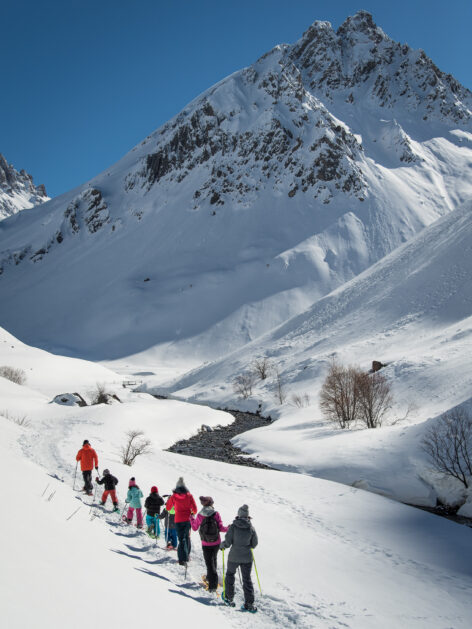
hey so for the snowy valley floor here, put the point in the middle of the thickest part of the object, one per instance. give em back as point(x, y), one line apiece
point(330, 555)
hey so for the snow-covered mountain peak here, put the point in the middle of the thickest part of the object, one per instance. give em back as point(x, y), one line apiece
point(17, 190)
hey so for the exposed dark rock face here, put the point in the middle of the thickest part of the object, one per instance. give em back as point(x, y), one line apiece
point(215, 444)
point(17, 190)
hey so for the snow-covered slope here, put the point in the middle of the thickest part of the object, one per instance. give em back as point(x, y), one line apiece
point(413, 311)
point(329, 556)
point(268, 191)
point(17, 190)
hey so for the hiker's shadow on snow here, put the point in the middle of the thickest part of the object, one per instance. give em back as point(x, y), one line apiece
point(199, 599)
point(154, 562)
point(153, 574)
point(139, 549)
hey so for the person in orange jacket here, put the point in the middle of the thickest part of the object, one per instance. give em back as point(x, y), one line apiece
point(87, 457)
point(184, 504)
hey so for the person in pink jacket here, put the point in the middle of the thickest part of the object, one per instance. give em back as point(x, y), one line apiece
point(209, 524)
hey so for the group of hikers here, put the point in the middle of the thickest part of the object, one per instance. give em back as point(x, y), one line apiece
point(180, 515)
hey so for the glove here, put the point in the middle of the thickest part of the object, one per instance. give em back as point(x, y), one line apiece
point(96, 469)
point(222, 546)
point(97, 479)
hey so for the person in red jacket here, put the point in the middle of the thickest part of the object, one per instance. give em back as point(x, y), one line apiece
point(184, 504)
point(87, 457)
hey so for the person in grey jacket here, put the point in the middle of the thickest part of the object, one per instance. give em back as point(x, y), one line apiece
point(241, 538)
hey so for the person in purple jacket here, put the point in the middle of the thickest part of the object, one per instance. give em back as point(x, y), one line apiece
point(209, 524)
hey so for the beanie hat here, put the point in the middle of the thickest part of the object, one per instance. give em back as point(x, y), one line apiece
point(180, 482)
point(132, 482)
point(106, 472)
point(154, 490)
point(243, 512)
point(86, 442)
point(207, 501)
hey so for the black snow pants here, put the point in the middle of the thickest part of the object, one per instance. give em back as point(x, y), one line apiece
point(247, 582)
point(185, 546)
point(210, 554)
point(87, 474)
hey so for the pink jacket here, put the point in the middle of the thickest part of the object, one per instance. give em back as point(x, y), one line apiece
point(195, 522)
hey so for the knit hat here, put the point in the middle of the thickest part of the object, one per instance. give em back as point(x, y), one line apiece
point(132, 482)
point(180, 482)
point(86, 442)
point(106, 472)
point(243, 512)
point(207, 501)
point(154, 490)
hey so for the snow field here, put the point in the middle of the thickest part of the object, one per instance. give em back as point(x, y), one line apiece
point(329, 555)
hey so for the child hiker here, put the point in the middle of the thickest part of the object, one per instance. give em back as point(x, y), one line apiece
point(209, 524)
point(153, 506)
point(134, 499)
point(169, 531)
point(110, 483)
point(242, 538)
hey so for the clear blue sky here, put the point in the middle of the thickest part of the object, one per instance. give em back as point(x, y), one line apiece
point(83, 81)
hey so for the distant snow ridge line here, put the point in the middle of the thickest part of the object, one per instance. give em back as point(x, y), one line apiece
point(17, 190)
point(274, 187)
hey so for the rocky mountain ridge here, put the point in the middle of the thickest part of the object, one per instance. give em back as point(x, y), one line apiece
point(17, 190)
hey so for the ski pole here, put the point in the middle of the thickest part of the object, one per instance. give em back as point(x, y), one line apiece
point(75, 474)
point(93, 501)
point(255, 568)
point(224, 589)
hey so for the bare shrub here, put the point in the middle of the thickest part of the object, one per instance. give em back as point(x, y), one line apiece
point(243, 384)
point(375, 398)
point(262, 367)
point(448, 444)
point(135, 446)
point(280, 393)
point(18, 376)
point(300, 401)
point(100, 395)
point(19, 420)
point(339, 400)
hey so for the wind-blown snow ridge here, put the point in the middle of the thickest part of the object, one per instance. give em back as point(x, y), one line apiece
point(271, 189)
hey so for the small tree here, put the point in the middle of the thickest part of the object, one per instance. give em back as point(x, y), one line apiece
point(262, 367)
point(17, 376)
point(280, 393)
point(448, 444)
point(339, 400)
point(300, 401)
point(375, 398)
point(100, 395)
point(134, 446)
point(243, 384)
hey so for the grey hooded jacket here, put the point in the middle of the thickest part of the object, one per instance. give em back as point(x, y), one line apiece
point(241, 536)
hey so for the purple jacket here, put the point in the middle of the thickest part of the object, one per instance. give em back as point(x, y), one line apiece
point(205, 512)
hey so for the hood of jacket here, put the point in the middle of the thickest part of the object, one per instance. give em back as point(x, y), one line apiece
point(206, 512)
point(242, 523)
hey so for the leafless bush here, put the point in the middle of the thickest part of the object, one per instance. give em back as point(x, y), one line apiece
point(19, 420)
point(339, 400)
point(280, 393)
point(17, 376)
point(243, 384)
point(262, 367)
point(375, 398)
point(448, 444)
point(300, 401)
point(134, 446)
point(100, 395)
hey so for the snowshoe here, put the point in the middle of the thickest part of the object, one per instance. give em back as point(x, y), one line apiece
point(115, 509)
point(252, 609)
point(227, 601)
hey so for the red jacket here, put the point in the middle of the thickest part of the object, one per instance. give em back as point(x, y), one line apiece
point(87, 456)
point(184, 505)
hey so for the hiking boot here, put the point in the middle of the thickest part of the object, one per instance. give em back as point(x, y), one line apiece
point(139, 526)
point(227, 601)
point(102, 502)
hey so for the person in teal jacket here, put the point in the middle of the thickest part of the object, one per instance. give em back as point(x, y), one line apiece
point(133, 498)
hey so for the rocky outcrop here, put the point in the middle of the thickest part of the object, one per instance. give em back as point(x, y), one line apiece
point(17, 190)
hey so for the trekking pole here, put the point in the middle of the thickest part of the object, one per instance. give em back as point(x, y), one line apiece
point(240, 577)
point(255, 568)
point(224, 589)
point(93, 500)
point(75, 474)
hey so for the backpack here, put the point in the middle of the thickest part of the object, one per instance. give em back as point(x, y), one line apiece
point(209, 531)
